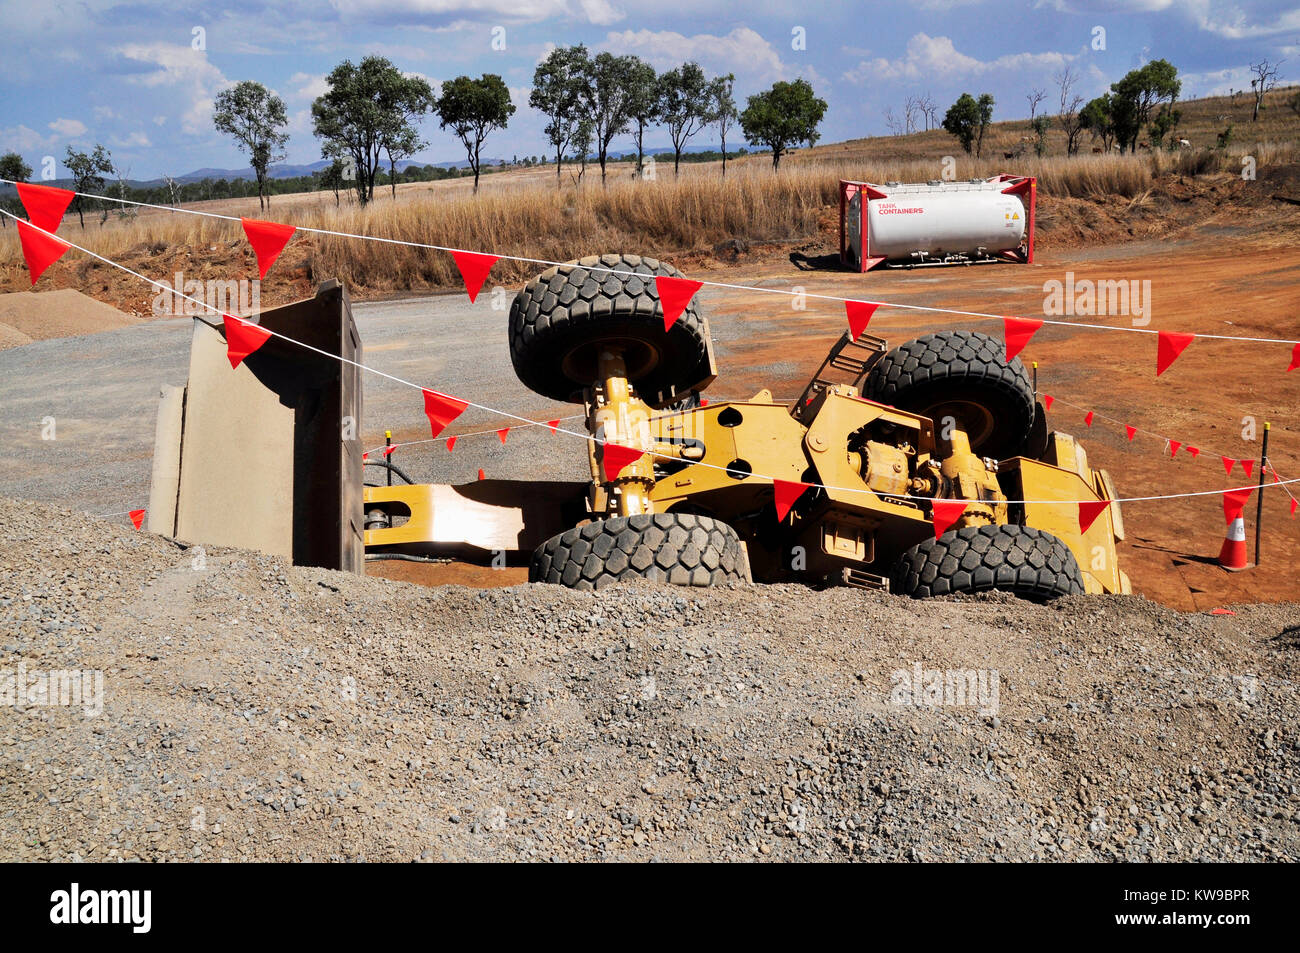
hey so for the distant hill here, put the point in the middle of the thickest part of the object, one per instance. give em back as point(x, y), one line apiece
point(291, 171)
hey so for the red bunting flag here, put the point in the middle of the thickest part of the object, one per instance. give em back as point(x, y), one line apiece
point(553, 424)
point(1248, 465)
point(1222, 612)
point(704, 401)
point(1194, 451)
point(1131, 431)
point(474, 267)
point(137, 518)
point(1047, 401)
point(945, 513)
point(1228, 464)
point(1173, 447)
point(451, 444)
point(441, 409)
point(1234, 501)
point(1087, 418)
point(1294, 504)
point(1018, 331)
point(618, 458)
point(787, 491)
point(1088, 513)
point(859, 313)
point(480, 474)
point(1295, 358)
point(388, 451)
point(674, 295)
point(39, 249)
point(242, 338)
point(1171, 344)
point(268, 240)
point(45, 204)
point(502, 433)
point(365, 457)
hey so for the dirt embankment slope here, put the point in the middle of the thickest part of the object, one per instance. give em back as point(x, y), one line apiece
point(252, 710)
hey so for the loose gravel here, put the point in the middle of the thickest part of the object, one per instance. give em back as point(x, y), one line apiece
point(253, 710)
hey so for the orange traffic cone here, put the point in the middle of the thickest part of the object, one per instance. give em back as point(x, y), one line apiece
point(1232, 556)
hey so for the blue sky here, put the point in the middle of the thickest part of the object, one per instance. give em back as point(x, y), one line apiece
point(128, 75)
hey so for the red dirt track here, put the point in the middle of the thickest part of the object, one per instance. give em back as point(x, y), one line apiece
point(1202, 400)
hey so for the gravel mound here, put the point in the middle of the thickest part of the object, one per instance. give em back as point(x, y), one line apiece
point(252, 710)
point(27, 316)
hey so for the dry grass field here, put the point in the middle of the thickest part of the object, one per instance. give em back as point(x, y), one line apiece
point(523, 213)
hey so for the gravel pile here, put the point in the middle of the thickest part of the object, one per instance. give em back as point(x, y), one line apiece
point(252, 710)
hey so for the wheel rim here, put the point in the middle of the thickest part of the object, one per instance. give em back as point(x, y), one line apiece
point(641, 358)
point(975, 419)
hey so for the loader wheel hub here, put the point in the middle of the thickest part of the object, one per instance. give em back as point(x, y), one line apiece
point(975, 419)
point(583, 362)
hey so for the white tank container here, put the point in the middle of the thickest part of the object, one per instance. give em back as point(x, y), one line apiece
point(943, 219)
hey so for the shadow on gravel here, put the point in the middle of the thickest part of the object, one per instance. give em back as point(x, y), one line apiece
point(1288, 638)
point(818, 263)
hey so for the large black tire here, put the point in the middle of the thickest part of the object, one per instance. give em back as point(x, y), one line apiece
point(1017, 559)
point(678, 548)
point(964, 375)
point(559, 320)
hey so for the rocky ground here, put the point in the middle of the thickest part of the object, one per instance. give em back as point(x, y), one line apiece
point(253, 710)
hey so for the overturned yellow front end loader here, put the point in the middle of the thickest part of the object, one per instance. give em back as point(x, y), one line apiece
point(879, 436)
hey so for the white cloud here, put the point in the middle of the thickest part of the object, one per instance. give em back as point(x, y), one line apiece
point(601, 12)
point(306, 87)
point(742, 51)
point(1228, 20)
point(160, 120)
point(597, 12)
point(300, 125)
point(134, 140)
point(1115, 6)
point(935, 57)
point(1234, 24)
point(24, 139)
point(68, 128)
point(184, 70)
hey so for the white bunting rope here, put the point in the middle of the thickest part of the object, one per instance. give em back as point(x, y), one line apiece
point(461, 436)
point(1277, 477)
point(583, 435)
point(1152, 433)
point(981, 315)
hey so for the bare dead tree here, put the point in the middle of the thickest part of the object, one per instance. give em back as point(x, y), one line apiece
point(894, 124)
point(1070, 120)
point(912, 113)
point(1035, 98)
point(931, 110)
point(1264, 81)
